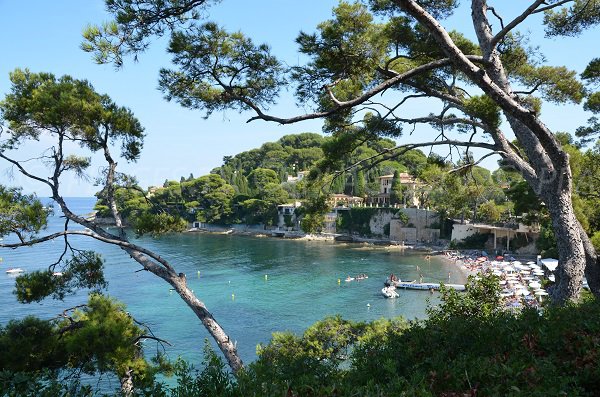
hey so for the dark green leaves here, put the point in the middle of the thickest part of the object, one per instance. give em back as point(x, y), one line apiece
point(592, 71)
point(135, 23)
point(344, 54)
point(219, 70)
point(440, 9)
point(21, 214)
point(556, 83)
point(84, 270)
point(573, 20)
point(147, 222)
point(99, 337)
point(590, 131)
point(40, 103)
point(484, 108)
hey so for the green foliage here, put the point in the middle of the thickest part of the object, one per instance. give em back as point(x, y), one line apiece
point(592, 103)
point(40, 103)
point(359, 184)
point(402, 217)
point(212, 380)
point(481, 300)
point(484, 108)
point(213, 196)
point(260, 177)
point(157, 224)
point(356, 219)
point(573, 20)
point(556, 84)
point(596, 240)
point(469, 345)
point(313, 214)
point(39, 355)
point(546, 243)
point(491, 212)
point(347, 48)
point(255, 211)
point(21, 214)
point(217, 70)
point(84, 270)
point(397, 190)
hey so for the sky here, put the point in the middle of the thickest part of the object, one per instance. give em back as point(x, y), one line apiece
point(44, 36)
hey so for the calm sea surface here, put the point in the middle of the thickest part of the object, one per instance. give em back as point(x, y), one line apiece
point(301, 285)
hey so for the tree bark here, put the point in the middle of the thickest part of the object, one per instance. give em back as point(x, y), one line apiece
point(547, 169)
point(571, 254)
point(179, 283)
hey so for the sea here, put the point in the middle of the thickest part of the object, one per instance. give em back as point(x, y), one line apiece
point(253, 286)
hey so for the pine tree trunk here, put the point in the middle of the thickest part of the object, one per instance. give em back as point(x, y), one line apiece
point(227, 346)
point(571, 253)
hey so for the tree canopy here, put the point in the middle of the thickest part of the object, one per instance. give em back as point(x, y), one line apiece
point(373, 59)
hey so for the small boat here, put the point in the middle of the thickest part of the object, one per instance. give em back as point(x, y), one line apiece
point(348, 279)
point(361, 277)
point(14, 270)
point(389, 292)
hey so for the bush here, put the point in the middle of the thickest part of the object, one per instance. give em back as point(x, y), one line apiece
point(468, 346)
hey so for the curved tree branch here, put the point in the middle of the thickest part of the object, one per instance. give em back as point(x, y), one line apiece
point(391, 82)
point(515, 22)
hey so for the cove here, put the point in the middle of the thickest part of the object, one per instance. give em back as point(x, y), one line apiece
point(228, 272)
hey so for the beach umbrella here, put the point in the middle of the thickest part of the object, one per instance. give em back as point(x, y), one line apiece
point(535, 285)
point(520, 267)
point(516, 263)
point(531, 263)
point(541, 293)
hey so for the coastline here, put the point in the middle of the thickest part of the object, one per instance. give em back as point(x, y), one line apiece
point(458, 264)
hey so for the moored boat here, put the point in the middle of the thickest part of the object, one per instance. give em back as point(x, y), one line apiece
point(428, 286)
point(389, 292)
point(14, 270)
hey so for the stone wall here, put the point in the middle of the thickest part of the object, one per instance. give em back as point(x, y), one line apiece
point(420, 232)
point(380, 220)
point(412, 235)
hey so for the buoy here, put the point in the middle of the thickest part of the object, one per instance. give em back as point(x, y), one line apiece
point(232, 297)
point(198, 273)
point(368, 305)
point(339, 281)
point(266, 277)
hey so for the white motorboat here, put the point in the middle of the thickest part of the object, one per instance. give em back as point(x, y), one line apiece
point(14, 270)
point(389, 292)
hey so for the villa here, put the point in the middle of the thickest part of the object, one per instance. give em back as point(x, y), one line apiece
point(410, 183)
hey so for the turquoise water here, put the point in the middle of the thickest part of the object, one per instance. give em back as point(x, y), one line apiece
point(301, 285)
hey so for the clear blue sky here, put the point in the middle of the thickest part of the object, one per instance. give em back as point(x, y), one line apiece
point(45, 36)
